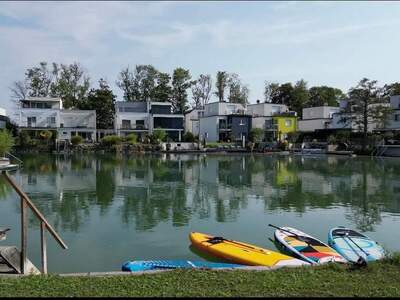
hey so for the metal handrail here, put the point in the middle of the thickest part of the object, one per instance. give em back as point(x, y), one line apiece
point(26, 201)
point(14, 157)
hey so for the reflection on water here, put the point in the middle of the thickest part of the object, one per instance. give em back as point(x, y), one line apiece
point(143, 192)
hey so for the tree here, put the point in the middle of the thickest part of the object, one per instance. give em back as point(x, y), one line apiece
point(300, 97)
point(201, 91)
point(71, 84)
point(159, 135)
point(102, 100)
point(271, 92)
point(140, 85)
point(366, 105)
point(163, 90)
point(221, 84)
point(324, 95)
point(6, 142)
point(391, 89)
point(238, 93)
point(180, 83)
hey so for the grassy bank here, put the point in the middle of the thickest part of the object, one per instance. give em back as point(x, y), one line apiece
point(378, 279)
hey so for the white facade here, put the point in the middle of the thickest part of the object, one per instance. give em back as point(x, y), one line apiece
point(394, 120)
point(223, 108)
point(266, 109)
point(319, 117)
point(209, 128)
point(192, 123)
point(46, 113)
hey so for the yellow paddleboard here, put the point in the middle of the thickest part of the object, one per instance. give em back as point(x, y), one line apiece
point(241, 253)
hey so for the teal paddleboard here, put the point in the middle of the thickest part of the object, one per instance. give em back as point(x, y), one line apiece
point(354, 245)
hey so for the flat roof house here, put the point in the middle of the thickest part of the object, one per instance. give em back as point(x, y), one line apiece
point(317, 118)
point(142, 118)
point(45, 113)
point(223, 121)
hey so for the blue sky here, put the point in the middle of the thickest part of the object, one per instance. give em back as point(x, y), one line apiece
point(325, 43)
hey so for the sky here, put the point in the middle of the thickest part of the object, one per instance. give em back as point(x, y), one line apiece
point(324, 43)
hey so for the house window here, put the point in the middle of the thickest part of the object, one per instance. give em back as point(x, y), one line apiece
point(140, 124)
point(242, 123)
point(288, 123)
point(397, 118)
point(31, 121)
point(51, 120)
point(126, 124)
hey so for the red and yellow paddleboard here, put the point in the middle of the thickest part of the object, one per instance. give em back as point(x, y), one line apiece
point(241, 253)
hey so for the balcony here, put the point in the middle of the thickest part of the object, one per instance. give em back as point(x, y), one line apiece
point(133, 127)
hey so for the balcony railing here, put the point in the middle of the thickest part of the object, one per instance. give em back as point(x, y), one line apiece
point(133, 127)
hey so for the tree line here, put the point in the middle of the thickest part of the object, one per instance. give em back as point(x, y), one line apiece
point(144, 83)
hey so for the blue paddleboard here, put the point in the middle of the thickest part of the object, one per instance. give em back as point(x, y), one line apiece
point(349, 242)
point(144, 265)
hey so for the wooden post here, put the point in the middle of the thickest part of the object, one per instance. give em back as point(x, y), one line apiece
point(43, 247)
point(24, 227)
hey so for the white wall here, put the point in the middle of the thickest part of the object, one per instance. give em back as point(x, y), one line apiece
point(222, 108)
point(133, 117)
point(209, 126)
point(311, 125)
point(78, 118)
point(266, 109)
point(192, 121)
point(319, 112)
point(42, 117)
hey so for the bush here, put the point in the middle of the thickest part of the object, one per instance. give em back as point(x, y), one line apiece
point(189, 137)
point(110, 140)
point(6, 142)
point(159, 135)
point(76, 140)
point(131, 138)
point(256, 135)
point(331, 140)
point(24, 139)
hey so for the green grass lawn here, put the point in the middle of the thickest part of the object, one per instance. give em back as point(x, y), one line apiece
point(377, 279)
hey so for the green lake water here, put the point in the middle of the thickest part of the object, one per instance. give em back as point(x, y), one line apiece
point(111, 209)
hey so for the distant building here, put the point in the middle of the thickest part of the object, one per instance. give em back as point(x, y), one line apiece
point(317, 118)
point(3, 118)
point(45, 113)
point(393, 123)
point(275, 119)
point(142, 118)
point(223, 121)
point(192, 121)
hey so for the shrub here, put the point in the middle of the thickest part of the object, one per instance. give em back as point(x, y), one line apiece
point(24, 139)
point(189, 137)
point(76, 140)
point(331, 140)
point(159, 135)
point(6, 142)
point(110, 140)
point(131, 138)
point(256, 135)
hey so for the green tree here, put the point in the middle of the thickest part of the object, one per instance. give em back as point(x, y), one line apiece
point(71, 84)
point(141, 84)
point(180, 83)
point(271, 92)
point(299, 98)
point(163, 90)
point(6, 142)
point(201, 91)
point(391, 89)
point(366, 104)
point(238, 93)
point(102, 100)
point(324, 95)
point(221, 84)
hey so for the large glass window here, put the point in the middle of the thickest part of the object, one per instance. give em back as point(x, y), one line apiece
point(288, 122)
point(126, 124)
point(31, 121)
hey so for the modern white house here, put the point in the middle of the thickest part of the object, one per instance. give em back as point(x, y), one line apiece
point(44, 113)
point(3, 118)
point(394, 120)
point(317, 118)
point(192, 121)
point(224, 121)
point(142, 118)
point(352, 120)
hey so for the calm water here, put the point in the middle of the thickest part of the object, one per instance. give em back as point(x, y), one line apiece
point(110, 209)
